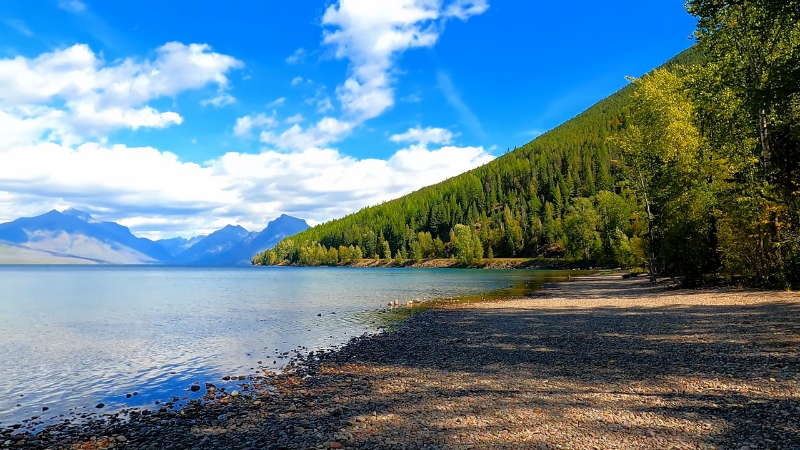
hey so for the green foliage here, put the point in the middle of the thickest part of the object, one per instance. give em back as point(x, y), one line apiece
point(670, 169)
point(516, 204)
point(580, 225)
point(748, 99)
point(694, 169)
point(467, 246)
point(386, 251)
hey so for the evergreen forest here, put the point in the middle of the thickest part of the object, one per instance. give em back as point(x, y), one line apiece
point(691, 171)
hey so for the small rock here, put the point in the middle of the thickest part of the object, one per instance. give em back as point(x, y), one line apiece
point(100, 405)
point(334, 445)
point(234, 393)
point(194, 388)
point(122, 439)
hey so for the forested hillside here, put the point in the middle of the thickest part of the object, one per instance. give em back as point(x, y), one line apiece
point(517, 204)
point(689, 171)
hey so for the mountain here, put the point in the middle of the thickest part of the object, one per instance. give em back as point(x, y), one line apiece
point(178, 245)
point(208, 248)
point(253, 243)
point(519, 205)
point(75, 237)
point(17, 254)
point(75, 233)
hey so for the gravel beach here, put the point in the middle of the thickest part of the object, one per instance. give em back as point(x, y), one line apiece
point(596, 363)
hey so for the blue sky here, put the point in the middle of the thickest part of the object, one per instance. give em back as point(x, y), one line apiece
point(180, 117)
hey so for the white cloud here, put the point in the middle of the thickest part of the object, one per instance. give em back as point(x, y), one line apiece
point(370, 34)
point(321, 134)
point(464, 9)
point(424, 136)
point(72, 5)
point(277, 102)
point(297, 57)
point(158, 195)
point(72, 94)
point(220, 100)
point(297, 118)
point(324, 105)
point(244, 125)
point(57, 109)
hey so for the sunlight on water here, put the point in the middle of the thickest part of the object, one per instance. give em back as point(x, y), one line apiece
point(73, 337)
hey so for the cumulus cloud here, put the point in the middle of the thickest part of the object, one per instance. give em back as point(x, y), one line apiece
point(73, 94)
point(424, 136)
point(320, 134)
point(371, 34)
point(324, 105)
point(297, 118)
point(57, 109)
point(245, 125)
point(297, 57)
point(220, 100)
point(157, 194)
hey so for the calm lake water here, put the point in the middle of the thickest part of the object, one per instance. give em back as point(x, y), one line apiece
point(72, 337)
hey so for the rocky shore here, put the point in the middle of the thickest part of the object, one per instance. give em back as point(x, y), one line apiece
point(495, 263)
point(598, 363)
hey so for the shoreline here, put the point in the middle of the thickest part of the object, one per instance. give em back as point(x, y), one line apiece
point(450, 263)
point(599, 361)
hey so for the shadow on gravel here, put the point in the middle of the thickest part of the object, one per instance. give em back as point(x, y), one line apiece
point(722, 375)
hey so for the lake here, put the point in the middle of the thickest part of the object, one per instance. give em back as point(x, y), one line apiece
point(72, 337)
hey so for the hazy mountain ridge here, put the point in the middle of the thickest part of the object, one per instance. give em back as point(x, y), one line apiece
point(253, 243)
point(179, 244)
point(74, 236)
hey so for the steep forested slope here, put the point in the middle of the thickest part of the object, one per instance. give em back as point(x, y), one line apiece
point(518, 205)
point(692, 171)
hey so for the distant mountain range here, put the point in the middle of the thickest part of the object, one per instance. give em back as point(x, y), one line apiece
point(75, 237)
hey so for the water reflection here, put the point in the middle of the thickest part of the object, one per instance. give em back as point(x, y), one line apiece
point(74, 337)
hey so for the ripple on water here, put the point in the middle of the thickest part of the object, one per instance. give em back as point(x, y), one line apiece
point(73, 337)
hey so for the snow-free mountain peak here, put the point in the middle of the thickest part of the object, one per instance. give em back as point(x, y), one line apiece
point(84, 216)
point(77, 233)
point(73, 233)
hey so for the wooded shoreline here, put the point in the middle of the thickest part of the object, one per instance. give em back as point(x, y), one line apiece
point(452, 263)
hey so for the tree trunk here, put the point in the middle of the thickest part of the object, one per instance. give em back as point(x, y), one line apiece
point(763, 128)
point(649, 229)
